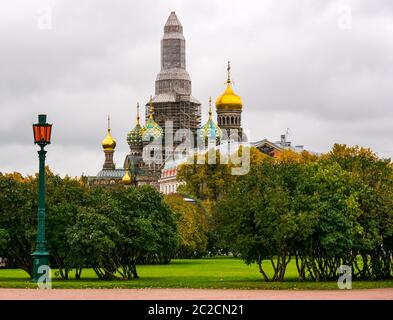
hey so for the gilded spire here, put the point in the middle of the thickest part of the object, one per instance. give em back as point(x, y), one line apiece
point(137, 113)
point(229, 100)
point(151, 108)
point(210, 108)
point(229, 72)
point(109, 123)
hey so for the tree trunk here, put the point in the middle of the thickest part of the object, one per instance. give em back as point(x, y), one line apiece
point(259, 263)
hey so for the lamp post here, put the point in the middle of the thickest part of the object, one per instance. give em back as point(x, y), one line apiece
point(42, 134)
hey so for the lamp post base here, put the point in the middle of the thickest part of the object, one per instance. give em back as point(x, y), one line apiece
point(40, 258)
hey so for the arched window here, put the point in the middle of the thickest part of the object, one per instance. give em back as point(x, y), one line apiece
point(232, 121)
point(227, 120)
point(223, 120)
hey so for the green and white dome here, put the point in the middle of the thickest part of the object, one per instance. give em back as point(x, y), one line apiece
point(210, 130)
point(151, 130)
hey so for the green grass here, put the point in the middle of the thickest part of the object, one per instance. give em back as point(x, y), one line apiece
point(220, 273)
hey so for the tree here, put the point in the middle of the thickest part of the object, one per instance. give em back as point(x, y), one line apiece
point(254, 218)
point(324, 211)
point(210, 181)
point(4, 240)
point(92, 240)
point(147, 224)
point(335, 210)
point(65, 196)
point(192, 226)
point(139, 227)
point(18, 207)
point(374, 177)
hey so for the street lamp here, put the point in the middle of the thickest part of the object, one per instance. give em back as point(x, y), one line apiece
point(42, 134)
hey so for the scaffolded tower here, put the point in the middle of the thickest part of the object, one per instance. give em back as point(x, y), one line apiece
point(173, 100)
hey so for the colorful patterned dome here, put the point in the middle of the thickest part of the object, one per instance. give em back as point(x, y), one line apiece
point(151, 130)
point(210, 129)
point(229, 100)
point(134, 137)
point(109, 144)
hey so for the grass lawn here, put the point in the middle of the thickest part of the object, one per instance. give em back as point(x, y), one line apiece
point(219, 273)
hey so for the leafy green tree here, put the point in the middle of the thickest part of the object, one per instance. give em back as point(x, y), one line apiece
point(17, 220)
point(92, 240)
point(4, 240)
point(140, 227)
point(209, 181)
point(148, 227)
point(64, 198)
point(374, 177)
point(336, 210)
point(324, 211)
point(291, 208)
point(254, 216)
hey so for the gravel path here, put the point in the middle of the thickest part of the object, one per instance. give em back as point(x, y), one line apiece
point(193, 294)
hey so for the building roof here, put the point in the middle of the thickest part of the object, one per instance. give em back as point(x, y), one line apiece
point(111, 173)
point(266, 142)
point(173, 24)
point(171, 97)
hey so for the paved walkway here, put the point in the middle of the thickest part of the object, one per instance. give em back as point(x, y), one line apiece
point(193, 294)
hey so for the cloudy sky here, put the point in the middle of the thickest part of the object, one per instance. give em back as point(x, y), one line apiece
point(323, 69)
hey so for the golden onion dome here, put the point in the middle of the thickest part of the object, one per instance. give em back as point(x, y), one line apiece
point(151, 130)
point(109, 143)
point(229, 100)
point(126, 178)
point(210, 129)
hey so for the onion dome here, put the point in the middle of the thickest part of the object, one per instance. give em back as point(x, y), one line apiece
point(109, 143)
point(210, 130)
point(134, 137)
point(229, 100)
point(126, 178)
point(151, 130)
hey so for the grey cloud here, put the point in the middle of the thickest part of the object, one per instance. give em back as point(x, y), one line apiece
point(291, 64)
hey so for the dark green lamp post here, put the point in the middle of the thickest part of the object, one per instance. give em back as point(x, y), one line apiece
point(42, 134)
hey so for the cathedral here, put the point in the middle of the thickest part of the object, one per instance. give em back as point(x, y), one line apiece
point(172, 103)
point(171, 109)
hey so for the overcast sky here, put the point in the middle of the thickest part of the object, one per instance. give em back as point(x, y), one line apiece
point(323, 69)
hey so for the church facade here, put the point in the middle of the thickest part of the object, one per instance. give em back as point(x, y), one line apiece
point(171, 109)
